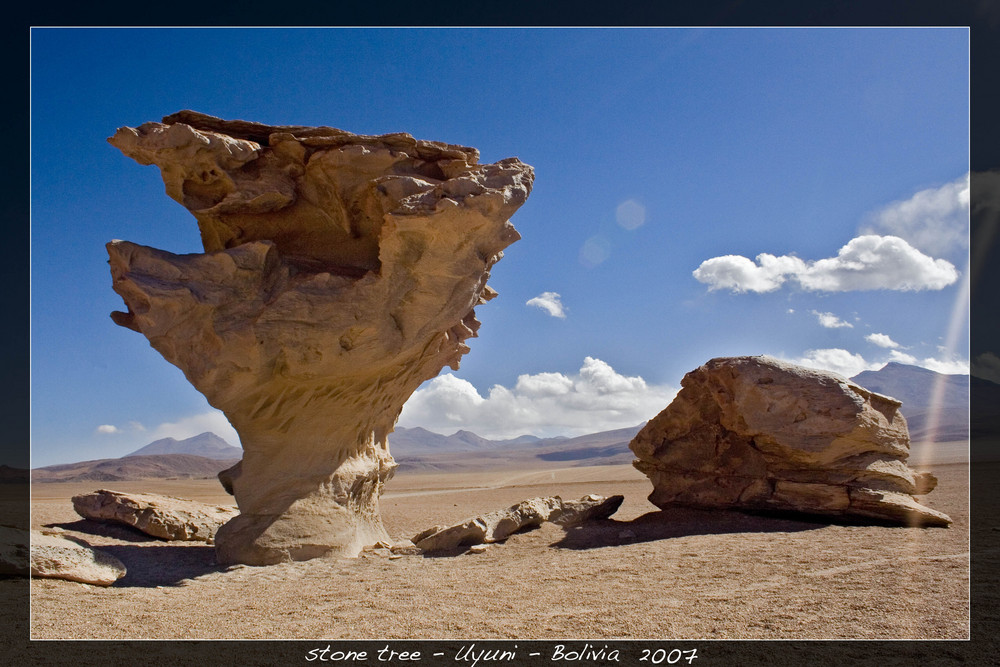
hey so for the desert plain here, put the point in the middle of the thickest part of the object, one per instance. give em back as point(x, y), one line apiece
point(643, 574)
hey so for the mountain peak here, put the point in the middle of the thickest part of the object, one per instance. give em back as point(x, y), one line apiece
point(205, 444)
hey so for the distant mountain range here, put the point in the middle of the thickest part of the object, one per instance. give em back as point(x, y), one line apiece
point(936, 406)
point(421, 441)
point(418, 449)
point(200, 456)
point(154, 466)
point(205, 444)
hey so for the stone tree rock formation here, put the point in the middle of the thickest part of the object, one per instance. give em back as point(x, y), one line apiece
point(755, 433)
point(340, 271)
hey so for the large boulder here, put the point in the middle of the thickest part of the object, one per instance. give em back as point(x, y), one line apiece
point(755, 433)
point(340, 272)
point(501, 524)
point(55, 557)
point(164, 517)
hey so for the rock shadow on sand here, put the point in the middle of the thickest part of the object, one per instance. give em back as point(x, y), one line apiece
point(150, 566)
point(113, 530)
point(685, 522)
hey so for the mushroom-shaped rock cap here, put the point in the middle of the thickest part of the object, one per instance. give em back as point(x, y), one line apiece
point(340, 272)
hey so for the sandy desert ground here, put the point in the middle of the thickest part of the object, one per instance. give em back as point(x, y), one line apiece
point(680, 574)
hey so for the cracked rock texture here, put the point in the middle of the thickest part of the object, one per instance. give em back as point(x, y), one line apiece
point(164, 517)
point(498, 526)
point(340, 272)
point(755, 433)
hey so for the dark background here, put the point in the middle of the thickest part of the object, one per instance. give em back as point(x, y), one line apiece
point(983, 17)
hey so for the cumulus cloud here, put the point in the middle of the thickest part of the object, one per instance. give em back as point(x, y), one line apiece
point(882, 340)
point(865, 263)
point(837, 360)
point(550, 303)
point(108, 429)
point(597, 398)
point(935, 220)
point(945, 366)
point(831, 321)
point(739, 274)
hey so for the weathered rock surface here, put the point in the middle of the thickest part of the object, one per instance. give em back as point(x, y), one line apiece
point(755, 433)
point(164, 517)
point(340, 271)
point(498, 526)
point(58, 558)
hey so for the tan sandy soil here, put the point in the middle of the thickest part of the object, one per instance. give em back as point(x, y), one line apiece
point(680, 574)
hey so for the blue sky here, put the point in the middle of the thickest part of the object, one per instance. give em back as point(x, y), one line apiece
point(698, 193)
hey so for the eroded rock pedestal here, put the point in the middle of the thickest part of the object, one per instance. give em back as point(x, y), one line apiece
point(340, 271)
point(754, 433)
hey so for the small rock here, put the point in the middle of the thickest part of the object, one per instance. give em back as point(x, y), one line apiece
point(499, 525)
point(58, 558)
point(479, 548)
point(395, 556)
point(405, 548)
point(626, 535)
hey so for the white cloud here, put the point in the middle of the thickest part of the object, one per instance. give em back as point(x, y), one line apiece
point(739, 274)
point(630, 214)
point(831, 321)
point(935, 220)
point(597, 398)
point(837, 360)
point(945, 366)
point(865, 263)
point(882, 340)
point(550, 303)
point(850, 364)
point(108, 429)
point(903, 358)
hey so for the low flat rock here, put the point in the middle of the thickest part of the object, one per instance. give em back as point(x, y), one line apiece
point(164, 517)
point(499, 525)
point(55, 557)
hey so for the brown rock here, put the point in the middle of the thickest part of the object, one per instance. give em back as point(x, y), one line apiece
point(756, 433)
point(58, 558)
point(159, 516)
point(340, 272)
point(498, 526)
